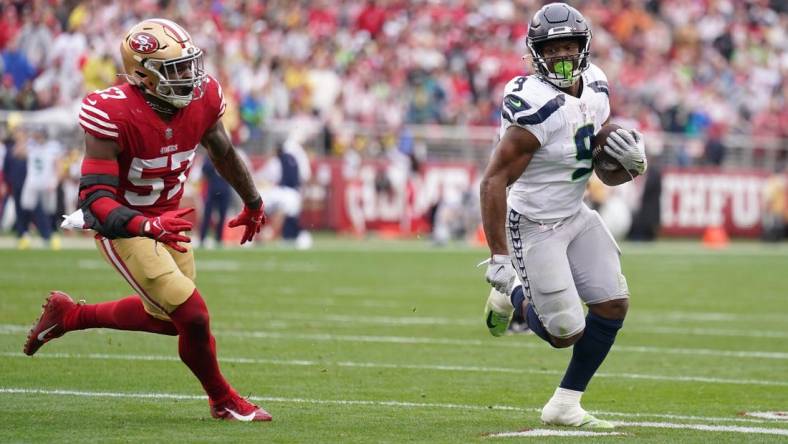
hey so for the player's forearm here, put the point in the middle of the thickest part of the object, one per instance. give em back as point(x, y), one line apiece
point(98, 201)
point(493, 206)
point(235, 172)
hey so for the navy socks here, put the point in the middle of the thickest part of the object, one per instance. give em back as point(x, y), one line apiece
point(517, 299)
point(589, 352)
point(536, 325)
point(531, 318)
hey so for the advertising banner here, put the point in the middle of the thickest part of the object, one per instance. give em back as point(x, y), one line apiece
point(696, 198)
point(380, 195)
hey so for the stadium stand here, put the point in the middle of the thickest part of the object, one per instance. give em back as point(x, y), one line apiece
point(706, 80)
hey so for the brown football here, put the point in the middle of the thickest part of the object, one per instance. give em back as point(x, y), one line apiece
point(608, 169)
point(602, 160)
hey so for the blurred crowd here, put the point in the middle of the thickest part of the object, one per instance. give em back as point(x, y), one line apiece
point(703, 69)
point(696, 67)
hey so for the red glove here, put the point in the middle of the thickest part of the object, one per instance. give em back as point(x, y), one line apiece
point(251, 219)
point(165, 228)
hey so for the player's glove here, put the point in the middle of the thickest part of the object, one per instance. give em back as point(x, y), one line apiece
point(167, 228)
point(252, 217)
point(500, 273)
point(628, 148)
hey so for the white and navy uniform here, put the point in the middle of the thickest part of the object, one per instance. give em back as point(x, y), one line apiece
point(561, 249)
point(42, 176)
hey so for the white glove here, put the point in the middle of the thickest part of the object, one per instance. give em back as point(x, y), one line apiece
point(500, 273)
point(74, 221)
point(628, 148)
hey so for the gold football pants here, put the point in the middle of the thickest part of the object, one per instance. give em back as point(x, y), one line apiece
point(161, 276)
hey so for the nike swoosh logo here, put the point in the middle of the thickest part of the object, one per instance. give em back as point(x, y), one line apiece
point(92, 102)
point(489, 320)
point(240, 417)
point(517, 103)
point(41, 336)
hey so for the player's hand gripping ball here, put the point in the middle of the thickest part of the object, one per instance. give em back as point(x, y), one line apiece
point(615, 148)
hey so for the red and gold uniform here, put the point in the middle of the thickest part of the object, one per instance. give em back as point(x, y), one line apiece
point(140, 143)
point(154, 162)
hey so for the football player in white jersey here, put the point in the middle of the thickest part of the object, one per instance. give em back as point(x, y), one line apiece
point(542, 232)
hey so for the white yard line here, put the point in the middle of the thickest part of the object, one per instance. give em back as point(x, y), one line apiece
point(323, 318)
point(779, 416)
point(653, 317)
point(487, 342)
point(691, 331)
point(658, 316)
point(428, 367)
point(66, 392)
point(367, 319)
point(223, 265)
point(491, 343)
point(549, 432)
point(705, 427)
point(398, 404)
point(427, 321)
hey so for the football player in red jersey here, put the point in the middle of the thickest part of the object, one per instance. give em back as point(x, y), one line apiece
point(140, 143)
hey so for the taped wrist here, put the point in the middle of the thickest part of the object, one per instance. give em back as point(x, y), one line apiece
point(497, 259)
point(98, 189)
point(255, 204)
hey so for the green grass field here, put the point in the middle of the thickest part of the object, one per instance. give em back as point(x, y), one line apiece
point(384, 342)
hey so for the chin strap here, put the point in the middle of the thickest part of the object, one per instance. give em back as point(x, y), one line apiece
point(160, 107)
point(158, 104)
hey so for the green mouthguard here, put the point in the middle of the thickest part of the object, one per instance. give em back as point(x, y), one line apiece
point(564, 68)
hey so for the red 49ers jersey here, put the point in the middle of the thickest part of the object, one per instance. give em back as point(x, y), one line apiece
point(156, 156)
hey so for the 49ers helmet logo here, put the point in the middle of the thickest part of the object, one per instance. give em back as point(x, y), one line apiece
point(144, 43)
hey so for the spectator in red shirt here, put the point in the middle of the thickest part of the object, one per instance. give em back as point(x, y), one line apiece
point(371, 18)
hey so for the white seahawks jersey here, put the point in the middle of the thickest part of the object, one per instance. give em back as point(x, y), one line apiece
point(553, 183)
point(42, 163)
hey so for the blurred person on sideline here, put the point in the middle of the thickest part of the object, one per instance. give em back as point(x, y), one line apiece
point(38, 197)
point(287, 169)
point(217, 201)
point(775, 207)
point(14, 172)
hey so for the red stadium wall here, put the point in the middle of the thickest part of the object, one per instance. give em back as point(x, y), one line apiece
point(378, 195)
point(353, 200)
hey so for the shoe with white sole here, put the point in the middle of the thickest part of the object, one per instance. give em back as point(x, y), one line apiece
point(49, 325)
point(236, 408)
point(498, 312)
point(561, 411)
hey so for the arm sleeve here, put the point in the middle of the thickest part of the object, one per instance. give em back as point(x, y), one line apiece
point(98, 201)
point(214, 97)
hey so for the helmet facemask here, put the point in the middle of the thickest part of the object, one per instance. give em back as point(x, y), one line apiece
point(180, 80)
point(562, 71)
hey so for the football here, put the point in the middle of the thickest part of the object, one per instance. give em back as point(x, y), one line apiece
point(603, 161)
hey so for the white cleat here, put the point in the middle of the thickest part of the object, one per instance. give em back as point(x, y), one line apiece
point(561, 411)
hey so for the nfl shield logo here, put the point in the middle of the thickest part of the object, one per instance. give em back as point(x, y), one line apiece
point(168, 133)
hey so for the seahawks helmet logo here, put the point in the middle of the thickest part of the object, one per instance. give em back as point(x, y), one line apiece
point(144, 43)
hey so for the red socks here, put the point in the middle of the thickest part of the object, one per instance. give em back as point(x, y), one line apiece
point(197, 347)
point(124, 314)
point(190, 321)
